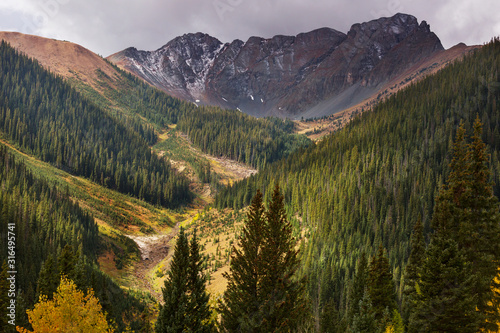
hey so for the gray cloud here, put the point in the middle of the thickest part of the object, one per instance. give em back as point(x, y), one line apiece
point(109, 26)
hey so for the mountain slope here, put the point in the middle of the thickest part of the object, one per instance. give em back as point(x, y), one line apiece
point(47, 118)
point(370, 182)
point(64, 58)
point(316, 129)
point(143, 108)
point(286, 75)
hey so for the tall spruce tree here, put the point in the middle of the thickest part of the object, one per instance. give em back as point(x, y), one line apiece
point(444, 302)
point(364, 321)
point(243, 297)
point(444, 299)
point(463, 258)
point(381, 285)
point(263, 293)
point(185, 307)
point(480, 234)
point(412, 273)
point(284, 306)
point(48, 279)
point(198, 312)
point(173, 313)
point(67, 263)
point(358, 287)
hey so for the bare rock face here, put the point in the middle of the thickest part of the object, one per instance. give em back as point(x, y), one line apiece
point(286, 76)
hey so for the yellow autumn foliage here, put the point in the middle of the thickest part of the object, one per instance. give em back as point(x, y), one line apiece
point(70, 311)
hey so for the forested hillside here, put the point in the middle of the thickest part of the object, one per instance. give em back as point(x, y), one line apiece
point(147, 110)
point(53, 236)
point(47, 118)
point(368, 184)
point(105, 138)
point(219, 132)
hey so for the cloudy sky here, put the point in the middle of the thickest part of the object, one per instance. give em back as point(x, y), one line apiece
point(108, 26)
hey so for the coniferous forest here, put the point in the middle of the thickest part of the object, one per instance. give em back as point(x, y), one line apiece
point(390, 224)
point(54, 236)
point(218, 132)
point(47, 118)
point(368, 185)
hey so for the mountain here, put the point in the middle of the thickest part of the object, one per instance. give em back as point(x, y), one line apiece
point(370, 182)
point(286, 76)
point(148, 111)
point(63, 58)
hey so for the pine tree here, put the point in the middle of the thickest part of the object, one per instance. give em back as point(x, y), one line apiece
point(381, 285)
point(186, 300)
point(48, 278)
point(479, 236)
point(242, 298)
point(358, 287)
point(412, 273)
point(284, 306)
point(172, 316)
point(67, 262)
point(364, 321)
point(329, 318)
point(463, 258)
point(445, 302)
point(263, 293)
point(444, 298)
point(198, 312)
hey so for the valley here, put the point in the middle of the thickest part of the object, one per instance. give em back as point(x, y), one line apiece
point(106, 160)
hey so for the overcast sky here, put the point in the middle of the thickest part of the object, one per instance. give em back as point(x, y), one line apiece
point(108, 26)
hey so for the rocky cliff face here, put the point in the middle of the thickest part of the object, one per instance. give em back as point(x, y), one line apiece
point(314, 74)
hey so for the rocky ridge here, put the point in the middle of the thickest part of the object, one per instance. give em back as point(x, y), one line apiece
point(288, 76)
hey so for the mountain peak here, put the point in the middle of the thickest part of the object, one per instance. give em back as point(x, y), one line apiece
point(286, 75)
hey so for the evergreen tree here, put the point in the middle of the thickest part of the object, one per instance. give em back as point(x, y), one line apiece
point(284, 306)
point(67, 263)
point(243, 297)
point(364, 321)
point(186, 300)
point(172, 316)
point(463, 258)
point(445, 302)
point(358, 287)
point(329, 319)
point(263, 293)
point(412, 275)
point(381, 285)
point(479, 235)
point(21, 308)
point(198, 312)
point(48, 278)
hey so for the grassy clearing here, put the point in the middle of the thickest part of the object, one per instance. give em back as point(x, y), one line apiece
point(218, 232)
